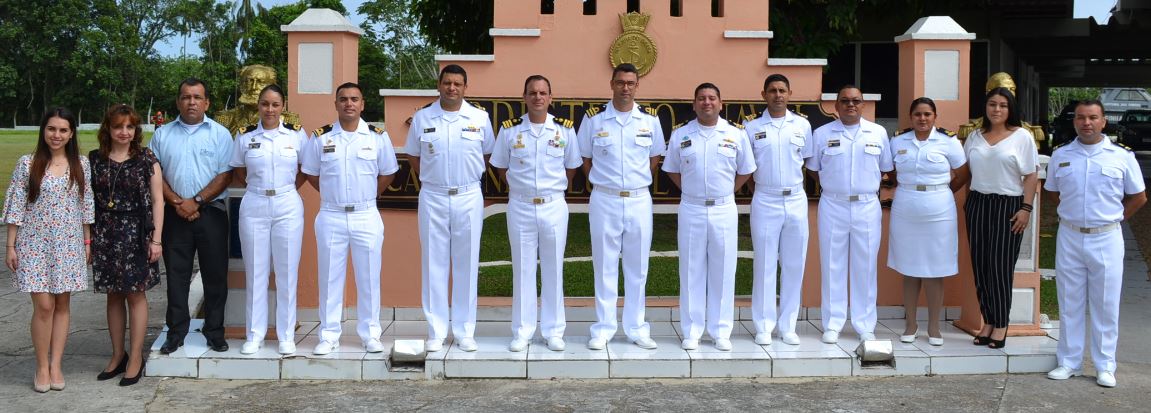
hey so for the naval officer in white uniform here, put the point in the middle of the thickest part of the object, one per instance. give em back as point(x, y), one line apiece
point(266, 158)
point(709, 158)
point(1099, 184)
point(621, 142)
point(781, 140)
point(851, 155)
point(923, 242)
point(350, 163)
point(537, 155)
point(447, 146)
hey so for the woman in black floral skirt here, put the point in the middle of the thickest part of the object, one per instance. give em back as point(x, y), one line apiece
point(127, 186)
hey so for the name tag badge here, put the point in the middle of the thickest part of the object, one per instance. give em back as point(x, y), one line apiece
point(1062, 164)
point(368, 149)
point(643, 135)
point(601, 134)
point(760, 135)
point(685, 144)
point(329, 148)
point(902, 152)
point(254, 145)
point(833, 143)
point(429, 130)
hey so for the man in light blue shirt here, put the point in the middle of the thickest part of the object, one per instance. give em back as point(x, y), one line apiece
point(193, 152)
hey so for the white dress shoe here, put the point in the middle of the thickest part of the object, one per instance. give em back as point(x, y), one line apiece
point(830, 337)
point(251, 347)
point(596, 344)
point(689, 344)
point(518, 345)
point(935, 341)
point(645, 343)
point(433, 345)
point(909, 338)
point(326, 347)
point(723, 344)
point(374, 346)
point(556, 344)
point(468, 344)
point(1063, 373)
point(791, 339)
point(763, 339)
point(1105, 379)
point(287, 347)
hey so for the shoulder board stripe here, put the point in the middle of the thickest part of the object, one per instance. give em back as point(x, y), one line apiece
point(944, 131)
point(904, 131)
point(749, 117)
point(292, 126)
point(563, 122)
point(680, 125)
point(736, 125)
point(376, 129)
point(249, 128)
point(477, 105)
point(1121, 145)
point(427, 105)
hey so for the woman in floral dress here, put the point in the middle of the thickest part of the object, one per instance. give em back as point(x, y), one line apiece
point(48, 209)
point(127, 186)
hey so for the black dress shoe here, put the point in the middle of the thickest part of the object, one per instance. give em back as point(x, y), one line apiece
point(128, 381)
point(171, 344)
point(218, 345)
point(105, 375)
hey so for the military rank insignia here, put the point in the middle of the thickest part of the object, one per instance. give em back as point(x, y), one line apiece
point(519, 141)
point(471, 128)
point(329, 147)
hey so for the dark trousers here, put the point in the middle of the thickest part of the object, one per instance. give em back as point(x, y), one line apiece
point(207, 236)
point(994, 250)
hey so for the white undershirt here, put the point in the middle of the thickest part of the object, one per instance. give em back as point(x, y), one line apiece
point(537, 128)
point(191, 128)
point(451, 116)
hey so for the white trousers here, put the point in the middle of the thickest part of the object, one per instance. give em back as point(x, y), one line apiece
point(849, 234)
point(271, 231)
point(707, 238)
point(779, 234)
point(538, 232)
point(1089, 279)
point(620, 228)
point(450, 227)
point(363, 233)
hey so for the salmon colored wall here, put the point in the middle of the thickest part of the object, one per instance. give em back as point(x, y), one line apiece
point(951, 113)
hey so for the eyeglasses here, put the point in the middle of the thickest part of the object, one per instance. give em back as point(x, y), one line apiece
point(623, 83)
point(851, 102)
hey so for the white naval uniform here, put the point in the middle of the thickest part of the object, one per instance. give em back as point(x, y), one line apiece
point(620, 146)
point(451, 147)
point(271, 224)
point(1092, 181)
point(708, 161)
point(537, 158)
point(850, 167)
point(779, 231)
point(923, 232)
point(348, 164)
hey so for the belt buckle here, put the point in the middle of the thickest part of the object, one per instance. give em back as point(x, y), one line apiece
point(624, 194)
point(1086, 230)
point(785, 192)
point(453, 191)
point(709, 202)
point(269, 192)
point(538, 200)
point(921, 188)
point(853, 198)
point(349, 208)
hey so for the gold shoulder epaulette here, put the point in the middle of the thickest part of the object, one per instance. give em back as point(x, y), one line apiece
point(595, 110)
point(511, 122)
point(800, 114)
point(944, 131)
point(428, 105)
point(249, 128)
point(680, 125)
point(567, 123)
point(648, 110)
point(292, 126)
point(737, 125)
point(376, 129)
point(904, 131)
point(477, 105)
point(749, 117)
point(1061, 145)
point(318, 132)
point(1121, 145)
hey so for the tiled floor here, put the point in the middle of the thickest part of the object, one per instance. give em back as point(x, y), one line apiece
point(621, 358)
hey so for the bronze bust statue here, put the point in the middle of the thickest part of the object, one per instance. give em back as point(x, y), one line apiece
point(997, 80)
point(253, 79)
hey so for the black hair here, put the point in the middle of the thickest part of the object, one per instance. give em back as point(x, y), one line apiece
point(276, 88)
point(191, 81)
point(624, 68)
point(776, 78)
point(453, 69)
point(1012, 113)
point(923, 101)
point(346, 85)
point(706, 85)
point(534, 78)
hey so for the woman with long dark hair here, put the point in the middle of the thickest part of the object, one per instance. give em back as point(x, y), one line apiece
point(1002, 162)
point(48, 209)
point(128, 188)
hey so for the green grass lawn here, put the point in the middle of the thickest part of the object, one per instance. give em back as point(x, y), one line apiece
point(662, 279)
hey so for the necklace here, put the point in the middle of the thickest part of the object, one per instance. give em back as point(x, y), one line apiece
point(115, 178)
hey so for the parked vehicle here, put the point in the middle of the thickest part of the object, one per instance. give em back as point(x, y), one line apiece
point(1063, 127)
point(1116, 101)
point(1137, 129)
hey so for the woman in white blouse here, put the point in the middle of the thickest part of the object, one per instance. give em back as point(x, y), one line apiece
point(1002, 161)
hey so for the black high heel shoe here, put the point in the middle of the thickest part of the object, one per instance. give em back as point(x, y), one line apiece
point(982, 340)
point(128, 381)
point(998, 344)
point(105, 375)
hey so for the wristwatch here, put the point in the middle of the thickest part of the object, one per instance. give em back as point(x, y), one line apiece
point(199, 200)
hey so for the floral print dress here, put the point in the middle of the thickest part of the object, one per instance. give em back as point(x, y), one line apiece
point(50, 243)
point(123, 228)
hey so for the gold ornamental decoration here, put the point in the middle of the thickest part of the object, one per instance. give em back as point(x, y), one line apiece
point(633, 45)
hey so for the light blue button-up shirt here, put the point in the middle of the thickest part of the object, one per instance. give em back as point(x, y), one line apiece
point(190, 159)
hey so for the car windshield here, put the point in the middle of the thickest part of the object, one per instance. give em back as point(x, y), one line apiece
point(1138, 117)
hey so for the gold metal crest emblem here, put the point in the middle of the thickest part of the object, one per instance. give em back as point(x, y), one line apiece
point(633, 45)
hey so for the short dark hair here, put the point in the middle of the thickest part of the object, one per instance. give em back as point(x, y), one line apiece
point(454, 69)
point(706, 85)
point(624, 68)
point(191, 81)
point(534, 78)
point(776, 78)
point(276, 88)
point(923, 101)
point(1012, 113)
point(1091, 102)
point(346, 85)
point(845, 87)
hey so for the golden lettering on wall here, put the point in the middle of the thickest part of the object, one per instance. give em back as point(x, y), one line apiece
point(633, 45)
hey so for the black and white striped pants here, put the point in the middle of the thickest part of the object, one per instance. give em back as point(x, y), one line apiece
point(994, 250)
